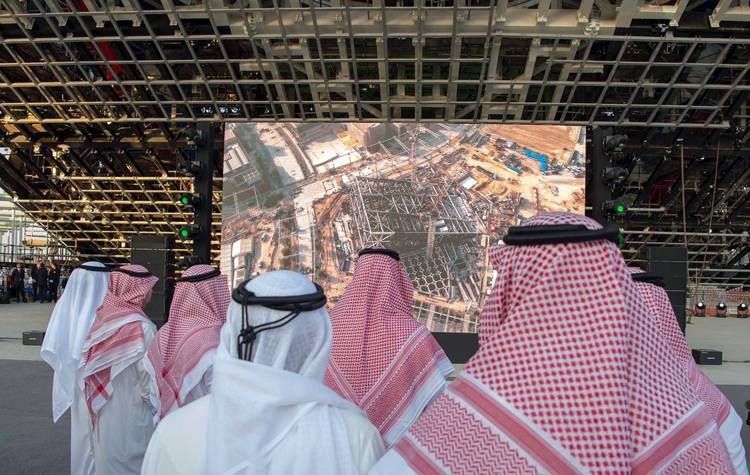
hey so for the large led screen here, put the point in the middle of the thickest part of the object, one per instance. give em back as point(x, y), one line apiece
point(308, 197)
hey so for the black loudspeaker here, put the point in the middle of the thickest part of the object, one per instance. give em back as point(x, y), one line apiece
point(710, 357)
point(33, 338)
point(671, 264)
point(155, 254)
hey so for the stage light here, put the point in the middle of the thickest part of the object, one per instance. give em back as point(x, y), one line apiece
point(194, 137)
point(614, 143)
point(742, 310)
point(193, 200)
point(721, 310)
point(700, 305)
point(614, 208)
point(721, 306)
point(189, 167)
point(614, 175)
point(190, 231)
point(189, 261)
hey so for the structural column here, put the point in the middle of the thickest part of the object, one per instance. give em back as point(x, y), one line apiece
point(204, 185)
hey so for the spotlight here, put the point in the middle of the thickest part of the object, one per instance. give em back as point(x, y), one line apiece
point(742, 310)
point(615, 143)
point(194, 137)
point(189, 261)
point(189, 167)
point(700, 309)
point(189, 231)
point(614, 176)
point(191, 200)
point(721, 310)
point(614, 208)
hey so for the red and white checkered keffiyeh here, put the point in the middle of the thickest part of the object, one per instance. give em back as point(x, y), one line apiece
point(571, 377)
point(185, 346)
point(382, 359)
point(117, 335)
point(661, 310)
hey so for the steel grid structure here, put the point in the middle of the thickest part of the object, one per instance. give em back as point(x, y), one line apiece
point(719, 258)
point(85, 83)
point(429, 276)
point(385, 210)
point(89, 63)
point(716, 196)
point(94, 200)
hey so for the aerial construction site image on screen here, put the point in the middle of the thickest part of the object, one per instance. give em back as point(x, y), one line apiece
point(308, 197)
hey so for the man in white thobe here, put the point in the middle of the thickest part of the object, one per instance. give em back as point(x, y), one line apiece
point(68, 326)
point(116, 384)
point(268, 411)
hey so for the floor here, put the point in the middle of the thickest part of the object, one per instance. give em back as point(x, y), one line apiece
point(31, 444)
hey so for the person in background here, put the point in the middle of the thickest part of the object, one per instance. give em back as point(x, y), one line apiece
point(53, 280)
point(42, 277)
point(268, 411)
point(35, 279)
point(28, 286)
point(4, 280)
point(116, 386)
point(63, 341)
point(18, 277)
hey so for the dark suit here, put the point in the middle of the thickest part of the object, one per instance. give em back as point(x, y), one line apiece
point(35, 284)
point(41, 279)
point(17, 279)
point(53, 280)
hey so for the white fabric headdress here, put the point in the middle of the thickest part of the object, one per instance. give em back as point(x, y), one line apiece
point(68, 326)
point(256, 404)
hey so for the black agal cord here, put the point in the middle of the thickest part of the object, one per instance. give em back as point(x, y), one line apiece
point(133, 273)
point(559, 234)
point(380, 250)
point(293, 304)
point(93, 268)
point(200, 277)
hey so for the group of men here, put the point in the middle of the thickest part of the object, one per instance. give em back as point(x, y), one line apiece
point(265, 381)
point(40, 283)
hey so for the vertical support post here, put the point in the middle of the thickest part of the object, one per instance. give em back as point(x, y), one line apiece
point(598, 191)
point(204, 184)
point(13, 234)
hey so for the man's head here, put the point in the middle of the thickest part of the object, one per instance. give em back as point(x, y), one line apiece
point(19, 265)
point(300, 344)
point(130, 286)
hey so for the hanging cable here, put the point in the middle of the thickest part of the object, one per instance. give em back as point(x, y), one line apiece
point(699, 276)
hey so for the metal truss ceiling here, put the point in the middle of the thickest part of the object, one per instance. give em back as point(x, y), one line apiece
point(457, 60)
point(96, 196)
